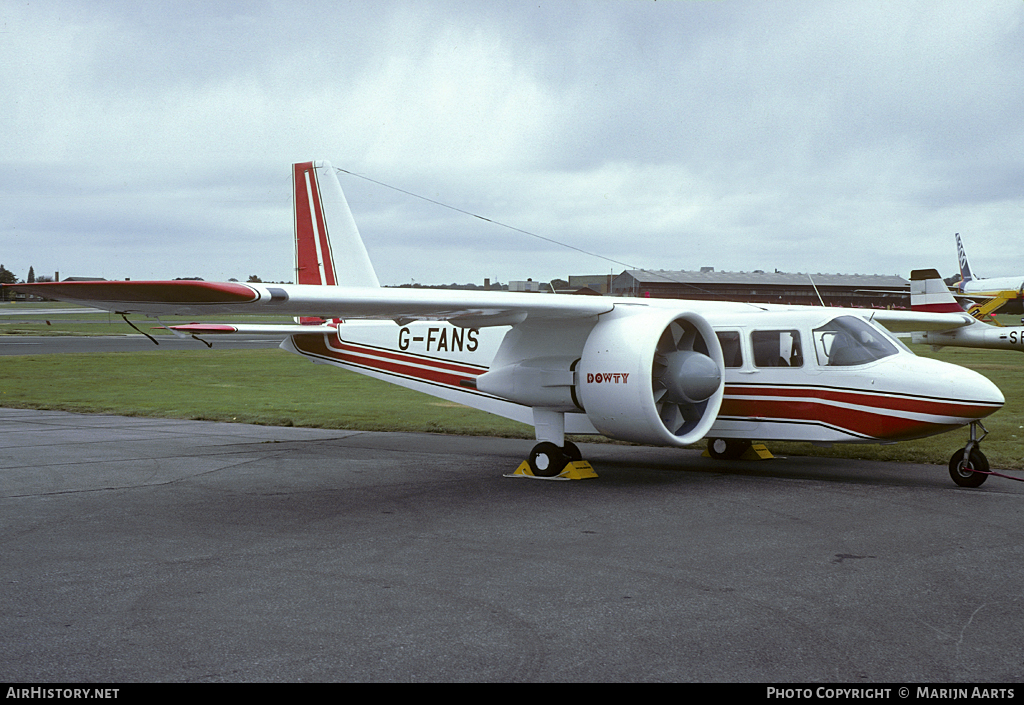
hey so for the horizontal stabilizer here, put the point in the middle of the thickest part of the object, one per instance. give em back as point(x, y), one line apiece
point(910, 321)
point(268, 329)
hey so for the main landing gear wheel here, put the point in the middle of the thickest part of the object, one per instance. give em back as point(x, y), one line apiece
point(727, 448)
point(572, 452)
point(972, 473)
point(550, 461)
point(547, 460)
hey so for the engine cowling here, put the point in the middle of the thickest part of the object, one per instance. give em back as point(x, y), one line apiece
point(652, 377)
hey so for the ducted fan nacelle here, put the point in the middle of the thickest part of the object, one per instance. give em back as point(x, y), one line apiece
point(651, 377)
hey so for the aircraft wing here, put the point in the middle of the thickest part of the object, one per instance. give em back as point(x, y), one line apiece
point(470, 309)
point(915, 321)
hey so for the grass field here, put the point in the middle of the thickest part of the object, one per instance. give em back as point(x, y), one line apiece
point(271, 387)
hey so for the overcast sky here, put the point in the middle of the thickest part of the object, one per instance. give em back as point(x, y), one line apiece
point(153, 140)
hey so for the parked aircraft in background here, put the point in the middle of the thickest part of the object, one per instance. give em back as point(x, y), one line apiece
point(928, 292)
point(1009, 289)
point(654, 371)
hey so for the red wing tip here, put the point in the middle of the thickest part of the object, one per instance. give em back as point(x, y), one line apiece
point(179, 291)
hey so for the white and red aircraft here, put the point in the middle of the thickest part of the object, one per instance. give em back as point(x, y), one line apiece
point(655, 371)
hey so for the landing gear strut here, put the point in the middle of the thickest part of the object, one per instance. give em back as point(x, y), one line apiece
point(553, 457)
point(969, 467)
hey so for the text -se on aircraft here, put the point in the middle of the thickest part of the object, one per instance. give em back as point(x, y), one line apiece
point(654, 371)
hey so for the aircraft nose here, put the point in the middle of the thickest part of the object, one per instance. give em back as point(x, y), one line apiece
point(945, 396)
point(980, 395)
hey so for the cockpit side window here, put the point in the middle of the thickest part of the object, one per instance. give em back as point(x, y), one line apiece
point(730, 342)
point(848, 340)
point(776, 348)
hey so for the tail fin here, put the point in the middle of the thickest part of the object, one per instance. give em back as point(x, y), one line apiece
point(929, 293)
point(321, 212)
point(965, 268)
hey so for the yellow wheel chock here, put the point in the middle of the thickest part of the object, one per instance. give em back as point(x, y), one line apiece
point(577, 470)
point(758, 451)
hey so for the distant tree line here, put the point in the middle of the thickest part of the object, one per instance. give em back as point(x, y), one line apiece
point(6, 277)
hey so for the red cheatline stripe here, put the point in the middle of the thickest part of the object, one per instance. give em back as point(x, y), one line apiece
point(873, 424)
point(345, 346)
point(883, 402)
point(441, 373)
point(882, 418)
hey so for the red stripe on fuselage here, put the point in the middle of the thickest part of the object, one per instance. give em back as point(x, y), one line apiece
point(866, 424)
point(882, 401)
point(881, 415)
point(345, 346)
point(427, 369)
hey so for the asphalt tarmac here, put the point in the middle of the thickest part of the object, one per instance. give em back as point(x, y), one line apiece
point(143, 550)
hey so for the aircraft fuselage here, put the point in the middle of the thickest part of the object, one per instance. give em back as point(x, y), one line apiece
point(789, 375)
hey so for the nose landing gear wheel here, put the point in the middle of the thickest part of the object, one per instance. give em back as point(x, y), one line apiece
point(969, 474)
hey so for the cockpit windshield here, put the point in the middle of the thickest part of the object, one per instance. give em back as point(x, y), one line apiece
point(849, 340)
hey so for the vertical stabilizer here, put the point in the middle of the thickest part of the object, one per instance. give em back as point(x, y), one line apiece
point(929, 293)
point(965, 268)
point(324, 228)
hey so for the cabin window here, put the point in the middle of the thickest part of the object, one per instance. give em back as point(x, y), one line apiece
point(730, 342)
point(849, 340)
point(776, 348)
